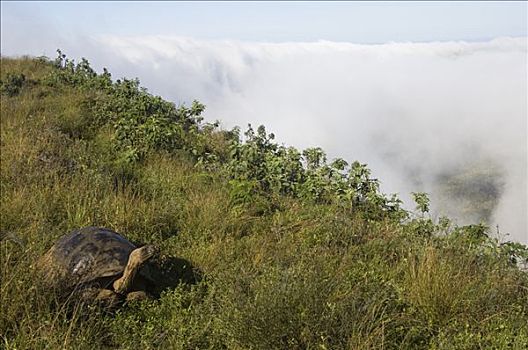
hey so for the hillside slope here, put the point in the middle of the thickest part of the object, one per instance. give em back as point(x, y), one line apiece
point(276, 248)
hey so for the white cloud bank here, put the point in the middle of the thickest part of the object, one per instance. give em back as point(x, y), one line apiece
point(420, 114)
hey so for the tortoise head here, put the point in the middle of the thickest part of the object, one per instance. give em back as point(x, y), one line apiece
point(143, 254)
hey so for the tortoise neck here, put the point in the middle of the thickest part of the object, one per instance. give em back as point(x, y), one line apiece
point(123, 285)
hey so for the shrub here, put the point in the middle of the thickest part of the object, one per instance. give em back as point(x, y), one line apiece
point(13, 84)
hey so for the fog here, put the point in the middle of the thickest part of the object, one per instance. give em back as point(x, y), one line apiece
point(446, 118)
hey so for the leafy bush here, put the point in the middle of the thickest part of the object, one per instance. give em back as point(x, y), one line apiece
point(13, 84)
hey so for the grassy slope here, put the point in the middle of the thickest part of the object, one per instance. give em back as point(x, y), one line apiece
point(298, 275)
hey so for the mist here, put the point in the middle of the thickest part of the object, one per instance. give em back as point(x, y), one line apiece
point(446, 118)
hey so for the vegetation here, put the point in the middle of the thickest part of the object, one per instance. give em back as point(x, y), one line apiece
point(286, 250)
point(479, 182)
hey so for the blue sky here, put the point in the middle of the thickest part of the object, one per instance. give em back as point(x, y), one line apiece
point(25, 25)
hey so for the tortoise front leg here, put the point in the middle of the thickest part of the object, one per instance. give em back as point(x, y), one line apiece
point(137, 258)
point(137, 296)
point(106, 297)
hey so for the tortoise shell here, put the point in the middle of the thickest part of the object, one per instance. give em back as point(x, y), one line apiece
point(90, 253)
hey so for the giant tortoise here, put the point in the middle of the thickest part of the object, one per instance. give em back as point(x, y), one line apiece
point(99, 264)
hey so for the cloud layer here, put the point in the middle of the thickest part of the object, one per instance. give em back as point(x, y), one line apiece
point(447, 118)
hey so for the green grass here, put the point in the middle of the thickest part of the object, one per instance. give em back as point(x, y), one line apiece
point(276, 271)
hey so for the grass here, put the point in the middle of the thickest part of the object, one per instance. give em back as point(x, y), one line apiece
point(275, 273)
